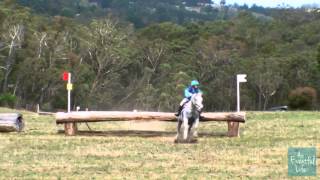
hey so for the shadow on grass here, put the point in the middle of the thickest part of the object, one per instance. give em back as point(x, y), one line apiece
point(140, 133)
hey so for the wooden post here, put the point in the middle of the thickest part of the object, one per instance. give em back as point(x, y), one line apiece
point(229, 126)
point(38, 108)
point(233, 129)
point(70, 129)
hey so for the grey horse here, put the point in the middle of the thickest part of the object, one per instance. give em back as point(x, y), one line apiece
point(189, 119)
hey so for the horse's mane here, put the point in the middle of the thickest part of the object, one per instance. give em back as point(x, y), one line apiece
point(194, 100)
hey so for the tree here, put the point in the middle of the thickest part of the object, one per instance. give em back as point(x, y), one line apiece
point(46, 57)
point(12, 37)
point(266, 78)
point(107, 55)
point(223, 2)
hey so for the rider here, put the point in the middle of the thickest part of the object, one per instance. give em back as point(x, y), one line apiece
point(188, 92)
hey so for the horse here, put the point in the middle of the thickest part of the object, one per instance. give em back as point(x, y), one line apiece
point(189, 118)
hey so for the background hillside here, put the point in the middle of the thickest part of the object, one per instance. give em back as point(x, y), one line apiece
point(141, 54)
point(140, 12)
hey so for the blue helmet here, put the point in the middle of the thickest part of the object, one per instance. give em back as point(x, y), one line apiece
point(194, 83)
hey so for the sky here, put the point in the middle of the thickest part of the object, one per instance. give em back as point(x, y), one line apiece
point(273, 3)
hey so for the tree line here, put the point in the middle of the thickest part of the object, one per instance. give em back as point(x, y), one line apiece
point(115, 65)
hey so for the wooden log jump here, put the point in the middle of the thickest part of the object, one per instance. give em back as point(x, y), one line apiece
point(70, 120)
point(10, 122)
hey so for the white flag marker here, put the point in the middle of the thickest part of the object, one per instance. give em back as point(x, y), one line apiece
point(240, 78)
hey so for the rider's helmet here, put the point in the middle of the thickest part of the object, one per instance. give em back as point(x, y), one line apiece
point(194, 83)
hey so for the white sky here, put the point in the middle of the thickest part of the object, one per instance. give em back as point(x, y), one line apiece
point(272, 3)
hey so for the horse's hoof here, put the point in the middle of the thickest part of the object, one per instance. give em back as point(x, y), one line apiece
point(193, 140)
point(195, 135)
point(176, 141)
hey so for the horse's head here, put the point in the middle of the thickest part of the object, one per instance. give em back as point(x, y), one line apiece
point(196, 101)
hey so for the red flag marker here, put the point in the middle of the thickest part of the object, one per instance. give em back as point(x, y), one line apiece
point(65, 76)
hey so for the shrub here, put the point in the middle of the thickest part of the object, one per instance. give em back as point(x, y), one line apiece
point(8, 100)
point(302, 98)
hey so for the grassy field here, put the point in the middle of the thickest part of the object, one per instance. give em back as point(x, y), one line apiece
point(128, 150)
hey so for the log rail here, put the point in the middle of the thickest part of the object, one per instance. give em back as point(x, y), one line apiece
point(70, 120)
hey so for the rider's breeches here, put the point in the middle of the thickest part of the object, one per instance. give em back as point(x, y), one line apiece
point(184, 100)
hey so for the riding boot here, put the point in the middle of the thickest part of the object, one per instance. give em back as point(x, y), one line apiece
point(200, 116)
point(179, 111)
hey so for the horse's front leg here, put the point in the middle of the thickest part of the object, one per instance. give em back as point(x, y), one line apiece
point(190, 132)
point(178, 130)
point(185, 128)
point(195, 128)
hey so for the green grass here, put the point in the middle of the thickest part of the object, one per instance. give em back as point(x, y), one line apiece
point(260, 153)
